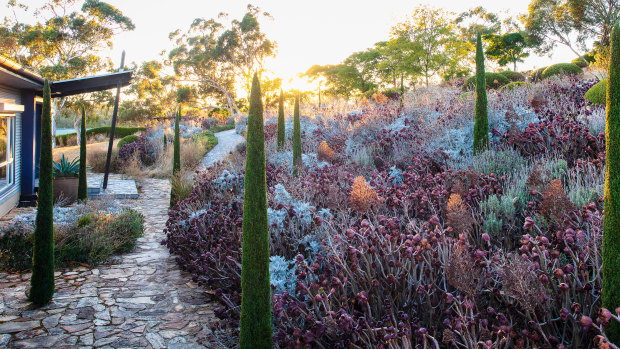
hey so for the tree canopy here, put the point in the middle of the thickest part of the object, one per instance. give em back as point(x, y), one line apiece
point(64, 40)
point(215, 58)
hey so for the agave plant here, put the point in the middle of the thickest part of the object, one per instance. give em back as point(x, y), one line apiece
point(66, 168)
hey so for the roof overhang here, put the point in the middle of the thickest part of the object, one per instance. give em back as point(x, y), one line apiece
point(17, 81)
point(96, 83)
point(16, 76)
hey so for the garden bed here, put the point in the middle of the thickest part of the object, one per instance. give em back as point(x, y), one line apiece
point(395, 235)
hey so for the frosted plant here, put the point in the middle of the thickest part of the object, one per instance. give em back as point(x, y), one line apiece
point(282, 274)
point(229, 182)
point(282, 196)
point(241, 124)
point(397, 175)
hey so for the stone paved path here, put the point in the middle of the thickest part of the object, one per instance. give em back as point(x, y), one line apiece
point(142, 301)
point(227, 142)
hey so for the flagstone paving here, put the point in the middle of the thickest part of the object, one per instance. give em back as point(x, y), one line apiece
point(140, 300)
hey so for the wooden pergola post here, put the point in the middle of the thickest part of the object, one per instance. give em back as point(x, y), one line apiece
point(113, 126)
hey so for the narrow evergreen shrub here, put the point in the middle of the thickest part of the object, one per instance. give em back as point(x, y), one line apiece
point(296, 137)
point(492, 81)
point(281, 126)
point(513, 75)
point(83, 183)
point(165, 141)
point(481, 125)
point(42, 280)
point(126, 140)
point(611, 219)
point(561, 69)
point(256, 331)
point(597, 93)
point(176, 160)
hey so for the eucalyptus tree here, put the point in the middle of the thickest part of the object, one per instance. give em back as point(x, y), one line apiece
point(215, 57)
point(434, 32)
point(61, 39)
point(152, 91)
point(550, 23)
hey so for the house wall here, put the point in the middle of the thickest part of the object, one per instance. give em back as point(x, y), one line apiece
point(9, 198)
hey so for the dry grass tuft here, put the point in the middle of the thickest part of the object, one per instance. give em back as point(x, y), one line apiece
point(458, 215)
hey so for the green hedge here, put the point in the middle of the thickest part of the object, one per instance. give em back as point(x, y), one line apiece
point(493, 81)
point(512, 85)
point(513, 75)
point(220, 128)
point(126, 140)
point(119, 132)
point(580, 63)
point(561, 69)
point(597, 94)
point(535, 75)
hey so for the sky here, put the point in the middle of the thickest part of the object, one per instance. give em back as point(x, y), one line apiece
point(307, 32)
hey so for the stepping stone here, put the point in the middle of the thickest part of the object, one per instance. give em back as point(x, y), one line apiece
point(18, 326)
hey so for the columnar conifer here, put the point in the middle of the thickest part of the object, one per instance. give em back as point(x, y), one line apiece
point(42, 280)
point(611, 220)
point(481, 125)
point(281, 128)
point(297, 162)
point(176, 157)
point(256, 331)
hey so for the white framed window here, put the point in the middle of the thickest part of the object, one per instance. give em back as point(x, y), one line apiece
point(7, 151)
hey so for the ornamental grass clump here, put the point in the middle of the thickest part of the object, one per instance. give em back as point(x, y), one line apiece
point(256, 329)
point(42, 280)
point(611, 224)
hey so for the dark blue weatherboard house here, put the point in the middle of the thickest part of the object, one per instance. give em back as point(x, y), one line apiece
point(20, 125)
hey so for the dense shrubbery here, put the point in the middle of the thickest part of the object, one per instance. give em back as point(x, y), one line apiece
point(513, 75)
point(126, 140)
point(561, 69)
point(536, 74)
point(401, 238)
point(141, 148)
point(597, 94)
point(493, 80)
point(512, 85)
point(91, 239)
point(119, 132)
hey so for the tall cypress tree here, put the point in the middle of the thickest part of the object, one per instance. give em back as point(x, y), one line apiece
point(83, 184)
point(481, 125)
point(42, 280)
point(281, 128)
point(256, 329)
point(611, 219)
point(297, 162)
point(176, 157)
